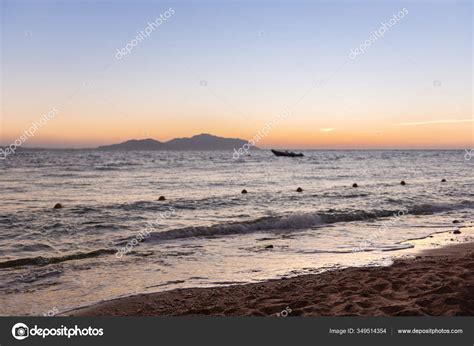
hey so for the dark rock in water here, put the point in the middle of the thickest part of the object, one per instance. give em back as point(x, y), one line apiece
point(355, 185)
point(244, 191)
point(269, 247)
point(443, 180)
point(58, 206)
point(456, 221)
point(162, 198)
point(299, 189)
point(457, 232)
point(403, 182)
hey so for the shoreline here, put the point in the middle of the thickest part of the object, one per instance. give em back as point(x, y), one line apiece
point(437, 282)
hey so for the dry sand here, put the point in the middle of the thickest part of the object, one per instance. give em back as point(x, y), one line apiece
point(438, 283)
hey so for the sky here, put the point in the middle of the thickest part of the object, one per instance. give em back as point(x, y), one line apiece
point(229, 68)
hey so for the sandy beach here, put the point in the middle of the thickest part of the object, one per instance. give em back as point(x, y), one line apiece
point(437, 283)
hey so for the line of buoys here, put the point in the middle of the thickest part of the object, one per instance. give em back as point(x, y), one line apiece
point(401, 183)
point(244, 191)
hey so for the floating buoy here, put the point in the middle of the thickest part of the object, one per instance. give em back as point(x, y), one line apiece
point(355, 185)
point(162, 198)
point(403, 182)
point(58, 206)
point(244, 191)
point(443, 180)
point(299, 189)
point(457, 232)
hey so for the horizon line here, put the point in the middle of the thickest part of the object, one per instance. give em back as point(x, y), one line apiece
point(253, 148)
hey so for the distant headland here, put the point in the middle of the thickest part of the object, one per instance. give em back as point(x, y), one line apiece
point(203, 141)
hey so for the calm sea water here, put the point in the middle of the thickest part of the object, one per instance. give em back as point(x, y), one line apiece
point(113, 237)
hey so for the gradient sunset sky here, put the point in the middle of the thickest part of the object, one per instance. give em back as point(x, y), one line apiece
point(228, 68)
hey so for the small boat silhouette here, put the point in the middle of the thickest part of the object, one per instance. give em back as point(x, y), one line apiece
point(286, 153)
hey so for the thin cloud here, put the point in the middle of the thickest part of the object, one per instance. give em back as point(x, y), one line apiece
point(447, 121)
point(327, 130)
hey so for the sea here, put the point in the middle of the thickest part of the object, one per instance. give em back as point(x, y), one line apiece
point(115, 237)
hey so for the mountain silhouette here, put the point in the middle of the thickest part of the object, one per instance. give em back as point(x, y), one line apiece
point(203, 141)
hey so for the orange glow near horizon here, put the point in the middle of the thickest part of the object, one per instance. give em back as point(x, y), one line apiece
point(63, 132)
point(315, 124)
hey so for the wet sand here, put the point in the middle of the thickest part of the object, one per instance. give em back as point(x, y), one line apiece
point(436, 283)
